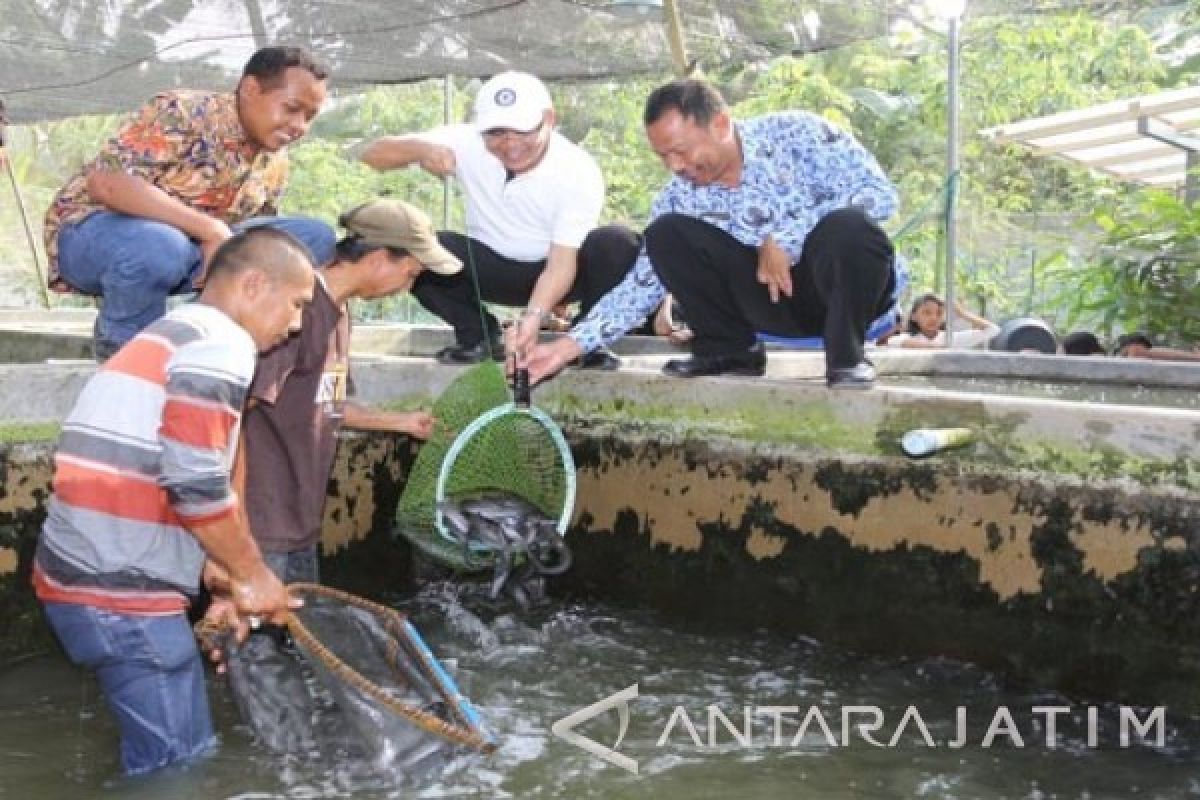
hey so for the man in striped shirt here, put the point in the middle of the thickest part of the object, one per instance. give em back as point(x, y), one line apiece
point(143, 507)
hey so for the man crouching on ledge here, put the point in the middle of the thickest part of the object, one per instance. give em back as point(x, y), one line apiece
point(769, 225)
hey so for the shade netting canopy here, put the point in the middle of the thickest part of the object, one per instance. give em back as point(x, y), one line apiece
point(61, 58)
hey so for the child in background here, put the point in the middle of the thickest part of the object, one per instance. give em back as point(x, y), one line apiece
point(1139, 345)
point(927, 322)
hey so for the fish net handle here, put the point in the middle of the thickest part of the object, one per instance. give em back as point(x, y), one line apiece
point(206, 631)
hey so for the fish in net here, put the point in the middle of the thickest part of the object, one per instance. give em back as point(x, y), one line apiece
point(510, 534)
point(352, 676)
point(495, 488)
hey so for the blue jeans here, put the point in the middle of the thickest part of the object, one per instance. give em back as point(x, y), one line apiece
point(299, 566)
point(152, 676)
point(136, 263)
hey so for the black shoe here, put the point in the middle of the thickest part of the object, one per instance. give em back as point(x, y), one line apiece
point(102, 349)
point(601, 358)
point(752, 362)
point(472, 354)
point(860, 376)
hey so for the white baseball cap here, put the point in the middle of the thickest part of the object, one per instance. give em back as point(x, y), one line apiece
point(512, 100)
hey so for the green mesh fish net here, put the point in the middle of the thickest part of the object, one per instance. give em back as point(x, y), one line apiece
point(486, 446)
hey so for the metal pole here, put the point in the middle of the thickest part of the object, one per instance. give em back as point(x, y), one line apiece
point(1191, 186)
point(951, 173)
point(258, 25)
point(33, 253)
point(447, 118)
point(674, 21)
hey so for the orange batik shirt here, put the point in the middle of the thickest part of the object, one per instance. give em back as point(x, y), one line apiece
point(191, 145)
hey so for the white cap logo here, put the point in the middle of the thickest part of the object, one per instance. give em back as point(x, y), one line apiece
point(512, 100)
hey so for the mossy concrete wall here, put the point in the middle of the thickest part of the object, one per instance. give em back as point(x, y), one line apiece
point(1092, 588)
point(25, 472)
point(1062, 547)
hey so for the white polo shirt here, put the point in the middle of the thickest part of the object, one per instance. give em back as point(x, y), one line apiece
point(557, 202)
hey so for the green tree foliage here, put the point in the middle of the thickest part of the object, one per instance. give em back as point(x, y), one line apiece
point(327, 178)
point(1147, 277)
point(889, 91)
point(614, 135)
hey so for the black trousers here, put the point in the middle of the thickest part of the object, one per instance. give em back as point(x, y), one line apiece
point(604, 257)
point(842, 282)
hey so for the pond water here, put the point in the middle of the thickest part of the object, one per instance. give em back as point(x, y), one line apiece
point(57, 741)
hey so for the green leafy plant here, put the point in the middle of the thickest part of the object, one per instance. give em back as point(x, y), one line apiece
point(1148, 275)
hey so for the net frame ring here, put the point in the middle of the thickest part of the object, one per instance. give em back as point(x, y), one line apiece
point(468, 433)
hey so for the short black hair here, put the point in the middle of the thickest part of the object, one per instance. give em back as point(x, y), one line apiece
point(693, 98)
point(355, 247)
point(1082, 343)
point(270, 250)
point(1126, 339)
point(268, 64)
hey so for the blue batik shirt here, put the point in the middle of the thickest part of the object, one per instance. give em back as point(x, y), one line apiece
point(797, 167)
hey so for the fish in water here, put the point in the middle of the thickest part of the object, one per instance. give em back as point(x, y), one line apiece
point(515, 532)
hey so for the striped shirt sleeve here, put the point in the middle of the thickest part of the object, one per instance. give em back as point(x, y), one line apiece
point(206, 388)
